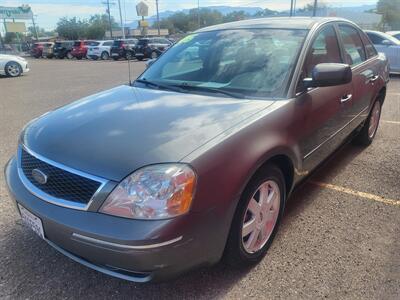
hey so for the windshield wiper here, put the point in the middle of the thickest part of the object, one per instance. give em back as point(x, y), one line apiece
point(212, 90)
point(160, 86)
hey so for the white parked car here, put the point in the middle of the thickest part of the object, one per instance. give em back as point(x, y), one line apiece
point(99, 49)
point(395, 34)
point(12, 66)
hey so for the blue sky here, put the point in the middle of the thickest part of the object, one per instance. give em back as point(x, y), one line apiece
point(48, 12)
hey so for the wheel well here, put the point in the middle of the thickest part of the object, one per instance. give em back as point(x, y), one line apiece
point(285, 164)
point(382, 94)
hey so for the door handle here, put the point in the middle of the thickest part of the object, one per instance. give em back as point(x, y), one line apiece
point(346, 98)
point(373, 78)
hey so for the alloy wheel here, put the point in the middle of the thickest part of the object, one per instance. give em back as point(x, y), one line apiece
point(374, 119)
point(261, 216)
point(13, 69)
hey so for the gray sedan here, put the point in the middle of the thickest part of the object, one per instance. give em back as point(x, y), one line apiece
point(388, 45)
point(195, 160)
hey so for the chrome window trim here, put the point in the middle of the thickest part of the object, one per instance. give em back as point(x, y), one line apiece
point(51, 199)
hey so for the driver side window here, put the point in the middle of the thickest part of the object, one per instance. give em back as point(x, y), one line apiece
point(325, 49)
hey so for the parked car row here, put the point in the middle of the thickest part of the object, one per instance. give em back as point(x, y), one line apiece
point(117, 49)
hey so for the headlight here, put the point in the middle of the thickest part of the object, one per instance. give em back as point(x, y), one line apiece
point(154, 192)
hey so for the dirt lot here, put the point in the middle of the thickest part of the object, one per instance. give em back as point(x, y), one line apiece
point(340, 237)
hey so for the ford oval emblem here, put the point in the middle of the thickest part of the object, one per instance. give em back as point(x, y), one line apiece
point(39, 176)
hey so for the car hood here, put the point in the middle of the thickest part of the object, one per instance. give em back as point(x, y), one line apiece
point(113, 133)
point(10, 57)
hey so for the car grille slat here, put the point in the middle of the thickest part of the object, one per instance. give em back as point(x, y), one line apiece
point(61, 184)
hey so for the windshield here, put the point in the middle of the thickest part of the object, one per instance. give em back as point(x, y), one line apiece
point(252, 62)
point(77, 44)
point(143, 42)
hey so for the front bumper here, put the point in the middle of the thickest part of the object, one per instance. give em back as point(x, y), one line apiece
point(135, 250)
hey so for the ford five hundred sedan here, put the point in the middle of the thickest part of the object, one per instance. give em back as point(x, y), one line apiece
point(195, 160)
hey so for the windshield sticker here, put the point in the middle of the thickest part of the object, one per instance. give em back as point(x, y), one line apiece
point(187, 39)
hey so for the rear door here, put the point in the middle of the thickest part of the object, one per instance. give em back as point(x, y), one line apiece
point(325, 109)
point(365, 72)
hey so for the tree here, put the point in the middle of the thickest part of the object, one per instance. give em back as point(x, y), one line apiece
point(94, 28)
point(390, 11)
point(72, 29)
point(266, 13)
point(98, 25)
point(236, 16)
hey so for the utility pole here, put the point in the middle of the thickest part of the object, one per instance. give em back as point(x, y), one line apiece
point(198, 13)
point(158, 18)
point(294, 7)
point(315, 8)
point(120, 17)
point(109, 17)
point(291, 8)
point(34, 27)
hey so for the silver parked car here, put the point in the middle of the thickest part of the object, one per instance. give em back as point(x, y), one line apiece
point(388, 45)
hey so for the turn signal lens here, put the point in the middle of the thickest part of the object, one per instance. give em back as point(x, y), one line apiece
point(154, 192)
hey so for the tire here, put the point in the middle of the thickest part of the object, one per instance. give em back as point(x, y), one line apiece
point(370, 127)
point(128, 55)
point(238, 250)
point(140, 58)
point(153, 55)
point(69, 55)
point(105, 55)
point(79, 57)
point(13, 69)
point(115, 58)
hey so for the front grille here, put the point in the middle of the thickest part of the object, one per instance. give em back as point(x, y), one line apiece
point(60, 184)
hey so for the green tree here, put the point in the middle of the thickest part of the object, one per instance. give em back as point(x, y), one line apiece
point(98, 25)
point(72, 29)
point(265, 13)
point(390, 11)
point(236, 16)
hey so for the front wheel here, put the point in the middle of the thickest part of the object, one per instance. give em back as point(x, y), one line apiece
point(153, 55)
point(13, 69)
point(368, 131)
point(256, 218)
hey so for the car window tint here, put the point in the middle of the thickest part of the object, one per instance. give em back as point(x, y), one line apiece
point(369, 48)
point(107, 43)
point(353, 46)
point(325, 49)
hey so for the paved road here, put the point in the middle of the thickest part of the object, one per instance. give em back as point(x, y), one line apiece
point(340, 237)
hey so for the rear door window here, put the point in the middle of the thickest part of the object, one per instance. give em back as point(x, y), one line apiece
point(352, 44)
point(369, 48)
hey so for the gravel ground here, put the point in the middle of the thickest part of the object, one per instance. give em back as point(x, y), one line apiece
point(332, 244)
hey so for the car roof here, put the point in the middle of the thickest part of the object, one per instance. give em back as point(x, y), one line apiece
point(274, 22)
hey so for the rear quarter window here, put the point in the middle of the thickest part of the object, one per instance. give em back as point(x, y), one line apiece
point(369, 48)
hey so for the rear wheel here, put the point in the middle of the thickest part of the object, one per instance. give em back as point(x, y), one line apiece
point(256, 218)
point(368, 132)
point(69, 55)
point(13, 69)
point(116, 58)
point(128, 55)
point(105, 55)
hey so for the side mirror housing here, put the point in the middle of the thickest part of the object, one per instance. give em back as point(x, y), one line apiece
point(150, 62)
point(329, 74)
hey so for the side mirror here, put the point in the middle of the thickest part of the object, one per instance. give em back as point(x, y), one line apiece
point(329, 74)
point(150, 62)
point(387, 43)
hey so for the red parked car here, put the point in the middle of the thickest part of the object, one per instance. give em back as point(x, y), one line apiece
point(37, 49)
point(80, 48)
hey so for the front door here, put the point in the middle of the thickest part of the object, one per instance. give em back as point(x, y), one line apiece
point(325, 109)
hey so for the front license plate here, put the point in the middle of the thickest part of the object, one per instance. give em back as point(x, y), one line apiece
point(31, 221)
